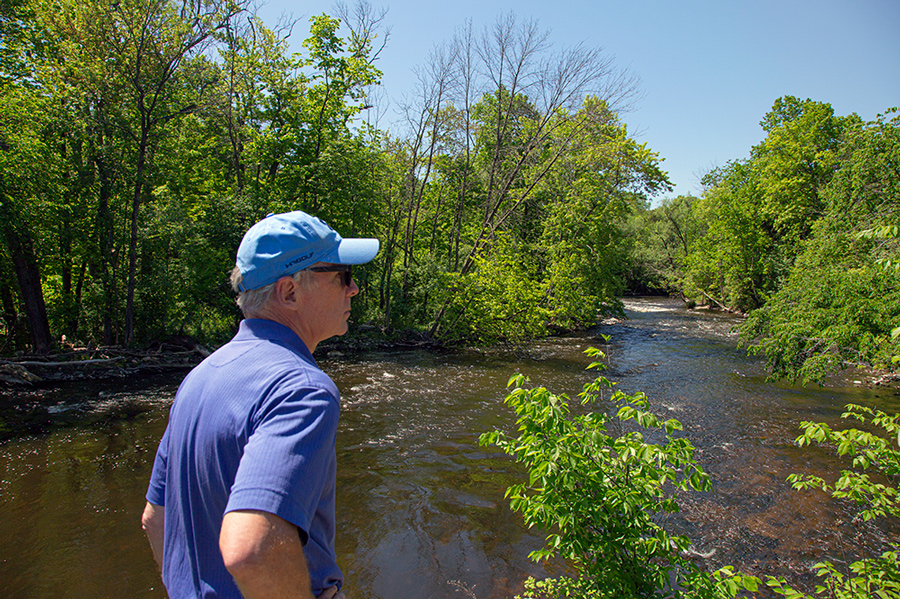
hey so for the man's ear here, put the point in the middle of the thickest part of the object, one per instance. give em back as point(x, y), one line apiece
point(286, 291)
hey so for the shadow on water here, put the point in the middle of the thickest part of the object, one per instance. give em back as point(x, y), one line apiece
point(71, 495)
point(421, 508)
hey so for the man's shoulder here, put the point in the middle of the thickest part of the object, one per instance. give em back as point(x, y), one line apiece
point(263, 362)
point(252, 350)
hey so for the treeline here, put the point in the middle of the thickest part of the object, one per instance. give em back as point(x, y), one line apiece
point(801, 235)
point(140, 138)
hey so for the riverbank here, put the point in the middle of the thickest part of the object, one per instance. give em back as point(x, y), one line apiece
point(32, 386)
point(176, 353)
point(420, 500)
point(34, 389)
point(181, 353)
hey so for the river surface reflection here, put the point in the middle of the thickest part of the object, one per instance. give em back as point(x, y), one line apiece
point(421, 509)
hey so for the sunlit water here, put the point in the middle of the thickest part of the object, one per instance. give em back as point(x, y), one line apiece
point(421, 512)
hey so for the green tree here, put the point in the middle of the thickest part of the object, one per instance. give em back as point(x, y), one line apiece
point(759, 210)
point(796, 161)
point(736, 263)
point(314, 123)
point(27, 167)
point(839, 305)
point(27, 170)
point(586, 200)
point(521, 112)
point(660, 241)
point(141, 51)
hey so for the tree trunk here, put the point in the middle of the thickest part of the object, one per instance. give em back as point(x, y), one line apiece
point(133, 243)
point(106, 246)
point(21, 251)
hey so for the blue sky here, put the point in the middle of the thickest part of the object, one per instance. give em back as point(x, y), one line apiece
point(709, 70)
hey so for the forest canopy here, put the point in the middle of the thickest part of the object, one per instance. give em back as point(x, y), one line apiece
point(139, 139)
point(801, 236)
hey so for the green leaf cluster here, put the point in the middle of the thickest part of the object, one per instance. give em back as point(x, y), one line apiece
point(868, 452)
point(603, 495)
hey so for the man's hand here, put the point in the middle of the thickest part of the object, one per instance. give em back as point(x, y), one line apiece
point(264, 555)
point(153, 521)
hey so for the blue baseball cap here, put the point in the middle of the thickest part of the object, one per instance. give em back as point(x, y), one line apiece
point(282, 244)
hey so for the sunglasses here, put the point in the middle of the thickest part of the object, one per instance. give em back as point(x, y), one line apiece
point(346, 269)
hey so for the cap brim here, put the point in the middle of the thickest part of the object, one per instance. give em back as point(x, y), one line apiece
point(356, 251)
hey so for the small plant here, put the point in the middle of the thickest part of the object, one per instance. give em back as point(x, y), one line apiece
point(871, 577)
point(600, 496)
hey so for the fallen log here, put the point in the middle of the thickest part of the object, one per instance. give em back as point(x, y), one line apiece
point(17, 374)
point(43, 363)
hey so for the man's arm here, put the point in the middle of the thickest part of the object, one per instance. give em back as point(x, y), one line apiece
point(153, 521)
point(264, 555)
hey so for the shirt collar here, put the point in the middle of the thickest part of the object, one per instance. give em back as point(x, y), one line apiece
point(260, 328)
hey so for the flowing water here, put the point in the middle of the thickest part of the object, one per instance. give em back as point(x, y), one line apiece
point(421, 512)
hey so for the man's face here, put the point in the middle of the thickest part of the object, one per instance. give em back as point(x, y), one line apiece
point(326, 305)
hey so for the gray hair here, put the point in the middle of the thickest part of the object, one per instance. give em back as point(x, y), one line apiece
point(253, 301)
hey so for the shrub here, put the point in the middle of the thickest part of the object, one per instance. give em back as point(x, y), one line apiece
point(869, 577)
point(600, 496)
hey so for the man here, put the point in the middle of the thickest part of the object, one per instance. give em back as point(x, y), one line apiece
point(241, 499)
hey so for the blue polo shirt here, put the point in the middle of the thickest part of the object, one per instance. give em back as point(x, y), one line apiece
point(251, 428)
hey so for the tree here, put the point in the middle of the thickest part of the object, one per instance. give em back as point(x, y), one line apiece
point(498, 110)
point(759, 210)
point(145, 45)
point(21, 192)
point(23, 148)
point(796, 161)
point(839, 305)
point(661, 240)
point(736, 263)
point(319, 106)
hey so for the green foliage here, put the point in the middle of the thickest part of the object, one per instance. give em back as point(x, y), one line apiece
point(801, 236)
point(736, 263)
point(796, 161)
point(661, 240)
point(31, 177)
point(20, 42)
point(164, 132)
point(868, 452)
point(145, 127)
point(758, 212)
point(601, 496)
point(501, 298)
point(550, 253)
point(838, 307)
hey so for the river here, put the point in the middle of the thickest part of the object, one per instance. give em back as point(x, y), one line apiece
point(421, 513)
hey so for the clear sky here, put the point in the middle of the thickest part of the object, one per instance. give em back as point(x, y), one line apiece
point(709, 69)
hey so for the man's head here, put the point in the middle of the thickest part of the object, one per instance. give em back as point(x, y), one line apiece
point(282, 244)
point(300, 252)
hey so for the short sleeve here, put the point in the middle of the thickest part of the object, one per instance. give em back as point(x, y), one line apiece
point(156, 493)
point(289, 457)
